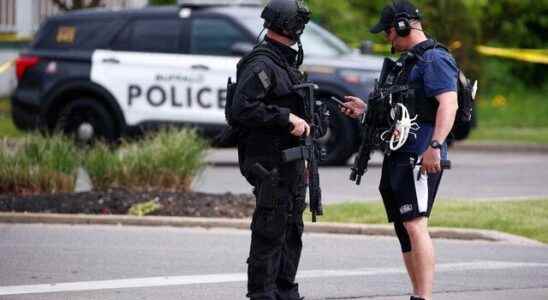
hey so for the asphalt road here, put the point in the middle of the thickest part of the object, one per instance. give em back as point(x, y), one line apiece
point(119, 262)
point(474, 175)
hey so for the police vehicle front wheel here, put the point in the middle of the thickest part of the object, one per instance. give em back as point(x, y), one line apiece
point(339, 139)
point(87, 120)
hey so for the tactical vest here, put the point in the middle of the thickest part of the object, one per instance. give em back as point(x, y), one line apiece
point(281, 88)
point(426, 107)
point(410, 92)
point(264, 145)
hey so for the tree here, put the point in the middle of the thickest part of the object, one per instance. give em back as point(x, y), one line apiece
point(517, 24)
point(454, 23)
point(77, 4)
point(457, 25)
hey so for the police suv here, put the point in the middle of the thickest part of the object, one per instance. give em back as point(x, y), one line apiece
point(114, 73)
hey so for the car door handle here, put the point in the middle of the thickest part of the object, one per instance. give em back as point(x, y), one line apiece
point(199, 67)
point(111, 60)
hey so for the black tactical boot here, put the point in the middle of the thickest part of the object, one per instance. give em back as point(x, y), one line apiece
point(271, 295)
point(289, 293)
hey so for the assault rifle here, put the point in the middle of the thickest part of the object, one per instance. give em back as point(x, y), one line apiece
point(373, 123)
point(310, 151)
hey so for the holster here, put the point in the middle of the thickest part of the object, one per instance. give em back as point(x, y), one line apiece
point(268, 185)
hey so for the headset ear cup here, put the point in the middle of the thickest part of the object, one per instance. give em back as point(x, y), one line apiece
point(402, 26)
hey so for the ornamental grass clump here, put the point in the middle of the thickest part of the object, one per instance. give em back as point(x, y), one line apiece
point(103, 165)
point(38, 164)
point(166, 160)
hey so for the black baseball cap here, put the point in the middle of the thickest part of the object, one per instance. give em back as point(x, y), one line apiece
point(390, 11)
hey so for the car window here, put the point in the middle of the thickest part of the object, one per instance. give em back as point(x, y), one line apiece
point(77, 34)
point(149, 35)
point(214, 36)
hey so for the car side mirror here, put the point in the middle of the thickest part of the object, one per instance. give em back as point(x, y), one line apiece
point(366, 47)
point(241, 48)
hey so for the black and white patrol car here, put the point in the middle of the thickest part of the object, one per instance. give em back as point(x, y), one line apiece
point(115, 73)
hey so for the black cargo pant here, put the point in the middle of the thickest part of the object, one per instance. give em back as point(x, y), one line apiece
point(276, 242)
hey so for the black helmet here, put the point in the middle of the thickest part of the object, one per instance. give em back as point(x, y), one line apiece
point(286, 17)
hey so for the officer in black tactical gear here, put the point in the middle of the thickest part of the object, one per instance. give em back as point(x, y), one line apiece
point(269, 116)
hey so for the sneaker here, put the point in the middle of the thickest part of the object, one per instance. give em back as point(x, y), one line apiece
point(416, 298)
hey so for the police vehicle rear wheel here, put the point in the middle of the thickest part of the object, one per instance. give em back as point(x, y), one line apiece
point(339, 139)
point(87, 120)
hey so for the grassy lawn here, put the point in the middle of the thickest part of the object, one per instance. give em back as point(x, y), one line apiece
point(511, 135)
point(524, 218)
point(4, 106)
point(514, 116)
point(7, 129)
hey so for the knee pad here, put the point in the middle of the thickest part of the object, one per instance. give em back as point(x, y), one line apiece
point(403, 236)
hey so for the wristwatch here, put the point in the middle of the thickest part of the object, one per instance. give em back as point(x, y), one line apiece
point(435, 144)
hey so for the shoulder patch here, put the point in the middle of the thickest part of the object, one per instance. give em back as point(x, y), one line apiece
point(265, 81)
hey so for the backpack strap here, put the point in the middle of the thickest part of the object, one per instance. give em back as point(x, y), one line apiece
point(408, 60)
point(422, 47)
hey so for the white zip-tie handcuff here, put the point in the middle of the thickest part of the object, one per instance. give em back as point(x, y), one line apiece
point(402, 128)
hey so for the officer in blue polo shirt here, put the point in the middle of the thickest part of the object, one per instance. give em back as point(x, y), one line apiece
point(408, 190)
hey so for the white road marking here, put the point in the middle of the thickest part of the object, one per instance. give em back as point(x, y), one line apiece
point(239, 277)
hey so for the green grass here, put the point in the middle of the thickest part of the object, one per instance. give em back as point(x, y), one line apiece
point(511, 135)
point(510, 115)
point(518, 108)
point(4, 106)
point(524, 218)
point(7, 128)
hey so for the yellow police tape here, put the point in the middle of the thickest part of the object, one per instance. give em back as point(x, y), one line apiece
point(10, 38)
point(5, 66)
point(539, 56)
point(529, 55)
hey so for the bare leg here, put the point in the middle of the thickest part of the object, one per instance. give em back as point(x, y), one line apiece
point(408, 260)
point(422, 256)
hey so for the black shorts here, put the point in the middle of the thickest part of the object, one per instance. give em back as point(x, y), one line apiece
point(406, 193)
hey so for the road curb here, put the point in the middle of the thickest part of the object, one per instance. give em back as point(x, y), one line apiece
point(333, 228)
